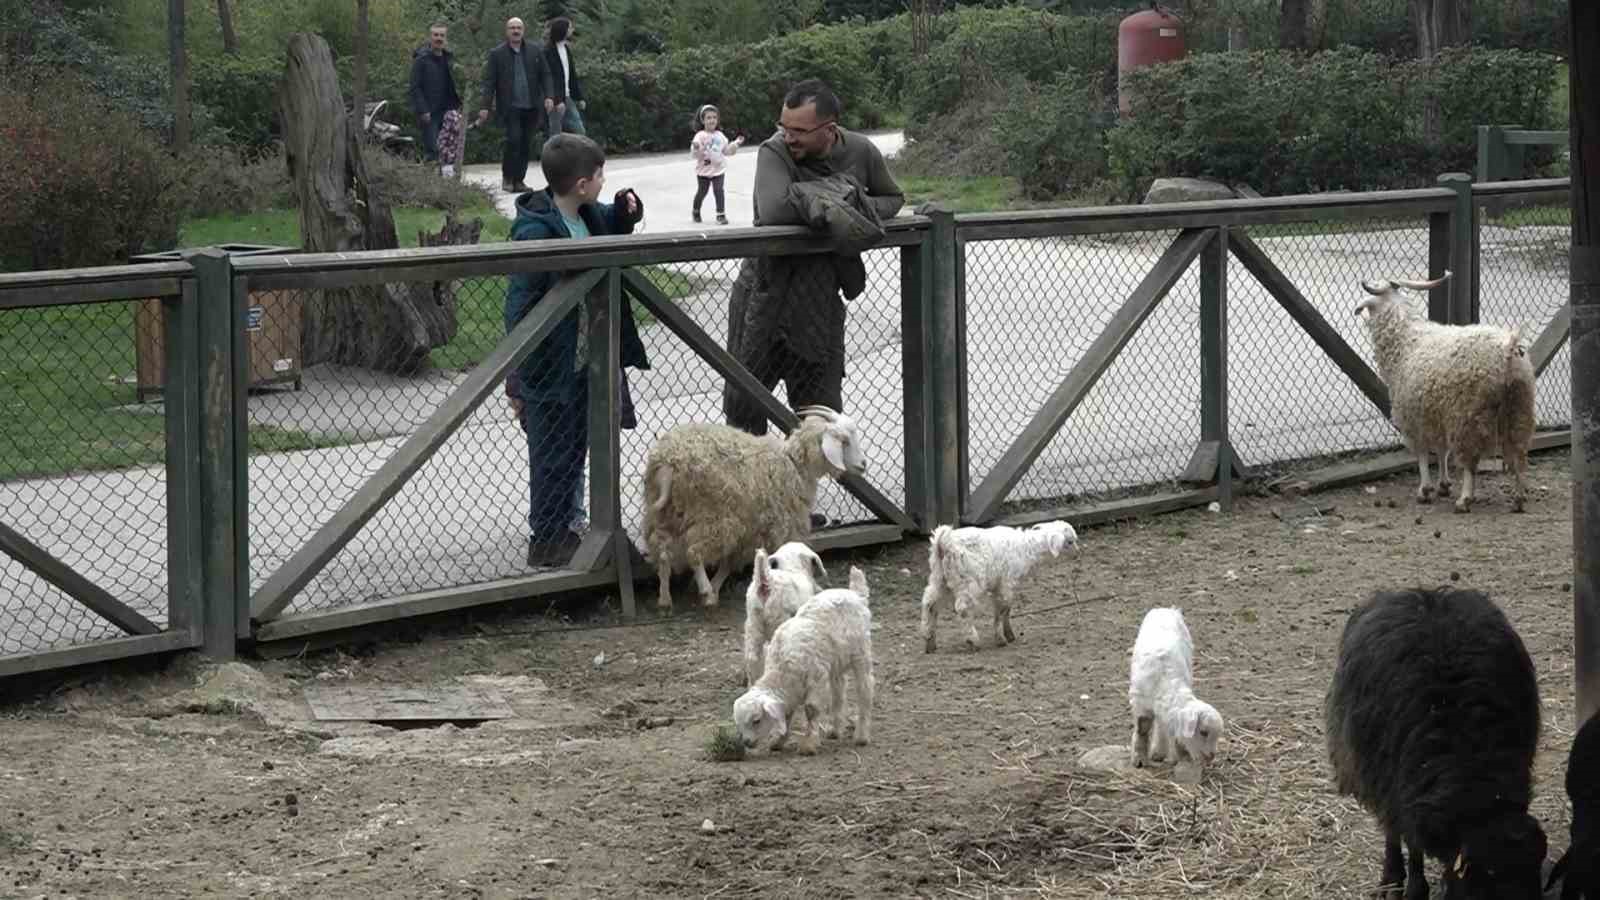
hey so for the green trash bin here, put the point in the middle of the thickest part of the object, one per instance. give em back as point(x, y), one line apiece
point(272, 330)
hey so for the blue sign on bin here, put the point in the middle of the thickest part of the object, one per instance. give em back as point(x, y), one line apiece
point(252, 320)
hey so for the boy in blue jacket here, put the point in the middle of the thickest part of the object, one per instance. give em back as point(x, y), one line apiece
point(549, 392)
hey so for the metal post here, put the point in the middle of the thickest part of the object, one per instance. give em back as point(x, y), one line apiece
point(215, 367)
point(1453, 303)
point(947, 366)
point(1584, 87)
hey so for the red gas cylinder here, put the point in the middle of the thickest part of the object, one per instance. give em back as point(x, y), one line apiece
point(1145, 38)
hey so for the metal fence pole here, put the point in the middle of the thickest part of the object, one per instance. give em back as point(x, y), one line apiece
point(947, 365)
point(215, 367)
point(1584, 87)
point(1453, 303)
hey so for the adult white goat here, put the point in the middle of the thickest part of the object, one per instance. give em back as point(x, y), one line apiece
point(1462, 391)
point(714, 494)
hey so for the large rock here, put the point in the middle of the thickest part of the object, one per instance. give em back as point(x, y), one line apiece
point(1181, 190)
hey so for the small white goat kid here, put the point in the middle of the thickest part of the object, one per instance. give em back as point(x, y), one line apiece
point(806, 664)
point(779, 585)
point(978, 569)
point(1159, 691)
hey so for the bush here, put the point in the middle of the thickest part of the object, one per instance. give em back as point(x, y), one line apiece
point(1052, 134)
point(1345, 119)
point(225, 181)
point(974, 49)
point(243, 92)
point(84, 185)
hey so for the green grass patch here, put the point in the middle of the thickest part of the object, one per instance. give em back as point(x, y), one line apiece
point(1525, 216)
point(281, 227)
point(965, 195)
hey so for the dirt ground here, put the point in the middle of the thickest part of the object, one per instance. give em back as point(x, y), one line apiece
point(208, 781)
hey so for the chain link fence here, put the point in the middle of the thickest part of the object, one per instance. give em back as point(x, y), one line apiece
point(1523, 256)
point(82, 469)
point(464, 518)
point(1033, 307)
point(1288, 400)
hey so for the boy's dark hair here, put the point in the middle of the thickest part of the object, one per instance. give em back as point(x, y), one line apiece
point(814, 90)
point(568, 157)
point(560, 27)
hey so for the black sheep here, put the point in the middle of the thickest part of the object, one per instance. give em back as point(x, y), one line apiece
point(1579, 868)
point(1432, 725)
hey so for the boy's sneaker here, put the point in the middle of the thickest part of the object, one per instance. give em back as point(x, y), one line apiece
point(820, 520)
point(722, 219)
point(696, 215)
point(553, 554)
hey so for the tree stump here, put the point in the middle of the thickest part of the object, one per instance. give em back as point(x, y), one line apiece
point(387, 327)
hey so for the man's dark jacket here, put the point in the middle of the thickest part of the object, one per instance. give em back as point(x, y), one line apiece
point(497, 84)
point(433, 82)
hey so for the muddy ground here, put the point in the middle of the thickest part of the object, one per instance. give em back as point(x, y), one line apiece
point(201, 781)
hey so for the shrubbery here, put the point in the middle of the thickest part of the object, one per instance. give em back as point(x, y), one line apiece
point(85, 184)
point(1345, 119)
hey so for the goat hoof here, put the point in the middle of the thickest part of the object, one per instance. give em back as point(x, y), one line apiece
point(1463, 505)
point(1517, 506)
point(929, 645)
point(1444, 488)
point(1425, 496)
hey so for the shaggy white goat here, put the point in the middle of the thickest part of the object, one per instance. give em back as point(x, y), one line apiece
point(1159, 691)
point(779, 585)
point(807, 661)
point(976, 569)
point(1463, 391)
point(713, 494)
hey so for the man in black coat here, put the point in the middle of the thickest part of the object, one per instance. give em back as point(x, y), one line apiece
point(433, 87)
point(516, 85)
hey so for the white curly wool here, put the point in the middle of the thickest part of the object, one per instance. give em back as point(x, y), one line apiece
point(977, 570)
point(1165, 709)
point(1462, 391)
point(713, 494)
point(810, 655)
point(779, 585)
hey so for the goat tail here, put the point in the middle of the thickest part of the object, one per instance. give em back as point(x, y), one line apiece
point(661, 480)
point(937, 547)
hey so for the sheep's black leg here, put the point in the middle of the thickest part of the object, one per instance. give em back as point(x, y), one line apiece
point(1394, 869)
point(1416, 878)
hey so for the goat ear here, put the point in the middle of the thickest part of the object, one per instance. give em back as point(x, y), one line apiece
point(763, 574)
point(818, 568)
point(1191, 722)
point(1058, 542)
point(833, 450)
point(774, 711)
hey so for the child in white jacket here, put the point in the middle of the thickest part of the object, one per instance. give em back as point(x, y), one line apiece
point(711, 149)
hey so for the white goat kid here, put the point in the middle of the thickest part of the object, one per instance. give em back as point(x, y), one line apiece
point(1165, 710)
point(806, 664)
point(978, 569)
point(779, 585)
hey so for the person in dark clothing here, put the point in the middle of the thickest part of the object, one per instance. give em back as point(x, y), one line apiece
point(516, 86)
point(433, 87)
point(568, 88)
point(549, 391)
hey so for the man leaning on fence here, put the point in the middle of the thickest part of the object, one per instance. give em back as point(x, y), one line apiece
point(786, 318)
point(516, 85)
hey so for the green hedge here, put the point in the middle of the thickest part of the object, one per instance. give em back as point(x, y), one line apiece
point(1345, 119)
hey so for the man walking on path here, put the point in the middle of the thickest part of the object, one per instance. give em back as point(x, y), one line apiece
point(786, 318)
point(433, 87)
point(568, 88)
point(516, 86)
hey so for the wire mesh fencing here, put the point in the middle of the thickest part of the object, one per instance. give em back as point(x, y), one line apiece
point(1033, 307)
point(82, 467)
point(507, 492)
point(1288, 400)
point(1523, 256)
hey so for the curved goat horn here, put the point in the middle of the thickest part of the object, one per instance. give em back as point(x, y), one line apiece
point(1377, 288)
point(1422, 285)
point(822, 412)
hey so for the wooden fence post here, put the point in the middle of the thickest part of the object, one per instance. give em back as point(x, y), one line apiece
point(948, 369)
point(1454, 301)
point(218, 389)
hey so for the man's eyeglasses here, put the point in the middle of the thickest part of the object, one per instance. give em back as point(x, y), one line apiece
point(801, 132)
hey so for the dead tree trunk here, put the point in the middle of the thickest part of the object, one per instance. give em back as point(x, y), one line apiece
point(1438, 24)
point(362, 29)
point(1292, 25)
point(389, 327)
point(230, 38)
